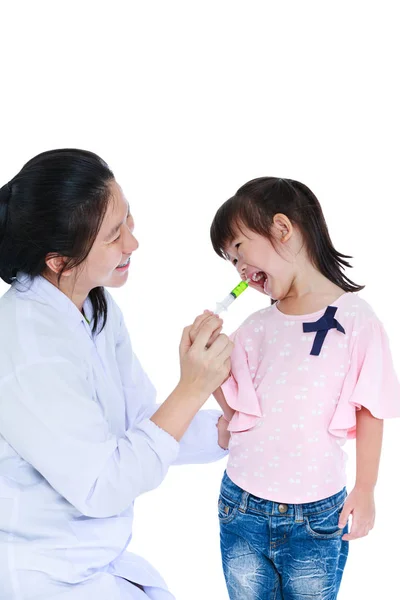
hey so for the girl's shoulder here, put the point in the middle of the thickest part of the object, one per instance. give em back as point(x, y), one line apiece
point(356, 311)
point(363, 327)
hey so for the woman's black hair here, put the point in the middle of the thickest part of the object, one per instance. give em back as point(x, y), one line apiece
point(54, 206)
point(257, 202)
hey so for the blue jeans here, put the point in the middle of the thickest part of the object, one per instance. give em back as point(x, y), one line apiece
point(273, 551)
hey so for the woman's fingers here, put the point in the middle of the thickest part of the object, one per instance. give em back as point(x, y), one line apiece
point(214, 337)
point(185, 341)
point(198, 322)
point(221, 348)
point(191, 331)
point(206, 331)
point(205, 362)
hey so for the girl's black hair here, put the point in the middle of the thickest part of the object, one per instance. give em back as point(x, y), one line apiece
point(54, 205)
point(257, 202)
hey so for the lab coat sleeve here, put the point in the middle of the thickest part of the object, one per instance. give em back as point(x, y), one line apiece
point(48, 415)
point(200, 442)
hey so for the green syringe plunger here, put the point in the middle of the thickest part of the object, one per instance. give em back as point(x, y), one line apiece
point(235, 293)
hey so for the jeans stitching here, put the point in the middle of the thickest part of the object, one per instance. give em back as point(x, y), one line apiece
point(276, 588)
point(270, 514)
point(228, 518)
point(326, 536)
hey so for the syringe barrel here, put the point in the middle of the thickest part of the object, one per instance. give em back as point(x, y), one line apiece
point(225, 304)
point(239, 289)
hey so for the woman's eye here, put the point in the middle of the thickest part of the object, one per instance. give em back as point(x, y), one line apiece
point(116, 239)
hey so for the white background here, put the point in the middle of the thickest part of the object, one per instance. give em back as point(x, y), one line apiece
point(187, 101)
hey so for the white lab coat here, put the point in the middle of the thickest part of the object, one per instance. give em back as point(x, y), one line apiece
point(76, 448)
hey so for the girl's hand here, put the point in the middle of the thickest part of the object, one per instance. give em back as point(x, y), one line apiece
point(360, 504)
point(223, 434)
point(205, 365)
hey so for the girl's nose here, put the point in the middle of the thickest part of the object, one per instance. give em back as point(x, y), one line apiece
point(241, 268)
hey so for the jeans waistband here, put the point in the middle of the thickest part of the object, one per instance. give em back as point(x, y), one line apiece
point(246, 501)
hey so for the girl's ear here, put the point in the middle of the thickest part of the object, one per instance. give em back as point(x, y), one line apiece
point(55, 263)
point(283, 227)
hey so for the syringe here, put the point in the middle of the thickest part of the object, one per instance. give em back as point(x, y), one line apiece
point(235, 293)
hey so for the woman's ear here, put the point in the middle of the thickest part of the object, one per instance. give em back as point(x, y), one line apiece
point(56, 263)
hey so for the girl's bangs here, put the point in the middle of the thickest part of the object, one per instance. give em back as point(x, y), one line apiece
point(226, 224)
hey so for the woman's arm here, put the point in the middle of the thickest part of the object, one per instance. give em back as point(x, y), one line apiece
point(64, 434)
point(203, 369)
point(217, 393)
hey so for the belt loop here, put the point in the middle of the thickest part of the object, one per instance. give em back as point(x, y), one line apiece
point(244, 502)
point(298, 513)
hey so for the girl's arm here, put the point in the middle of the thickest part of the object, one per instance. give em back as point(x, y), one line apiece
point(368, 448)
point(360, 503)
point(226, 409)
point(224, 435)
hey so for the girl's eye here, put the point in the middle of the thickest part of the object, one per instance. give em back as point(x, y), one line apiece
point(116, 239)
point(234, 261)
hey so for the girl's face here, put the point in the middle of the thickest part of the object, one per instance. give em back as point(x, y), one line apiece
point(109, 258)
point(256, 258)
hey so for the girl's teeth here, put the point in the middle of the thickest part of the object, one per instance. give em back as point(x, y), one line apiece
point(123, 265)
point(257, 277)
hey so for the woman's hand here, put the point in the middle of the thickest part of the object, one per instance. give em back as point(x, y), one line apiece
point(204, 366)
point(205, 362)
point(360, 504)
point(195, 328)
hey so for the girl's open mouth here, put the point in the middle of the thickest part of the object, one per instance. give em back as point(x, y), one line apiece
point(260, 279)
point(258, 276)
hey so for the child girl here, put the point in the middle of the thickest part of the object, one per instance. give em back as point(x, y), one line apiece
point(307, 373)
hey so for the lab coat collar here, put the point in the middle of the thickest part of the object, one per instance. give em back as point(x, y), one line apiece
point(40, 289)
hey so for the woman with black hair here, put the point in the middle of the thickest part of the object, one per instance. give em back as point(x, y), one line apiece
point(80, 434)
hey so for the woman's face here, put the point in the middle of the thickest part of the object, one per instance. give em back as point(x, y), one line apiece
point(109, 258)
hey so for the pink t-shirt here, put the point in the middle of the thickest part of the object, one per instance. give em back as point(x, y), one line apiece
point(296, 393)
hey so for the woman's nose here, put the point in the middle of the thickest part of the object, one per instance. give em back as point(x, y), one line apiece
point(131, 244)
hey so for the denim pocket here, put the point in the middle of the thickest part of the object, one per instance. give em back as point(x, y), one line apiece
point(325, 525)
point(226, 510)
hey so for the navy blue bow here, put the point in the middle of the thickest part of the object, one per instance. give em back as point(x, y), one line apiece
point(322, 326)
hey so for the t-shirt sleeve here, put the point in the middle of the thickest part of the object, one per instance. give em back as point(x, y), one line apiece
point(239, 390)
point(371, 381)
